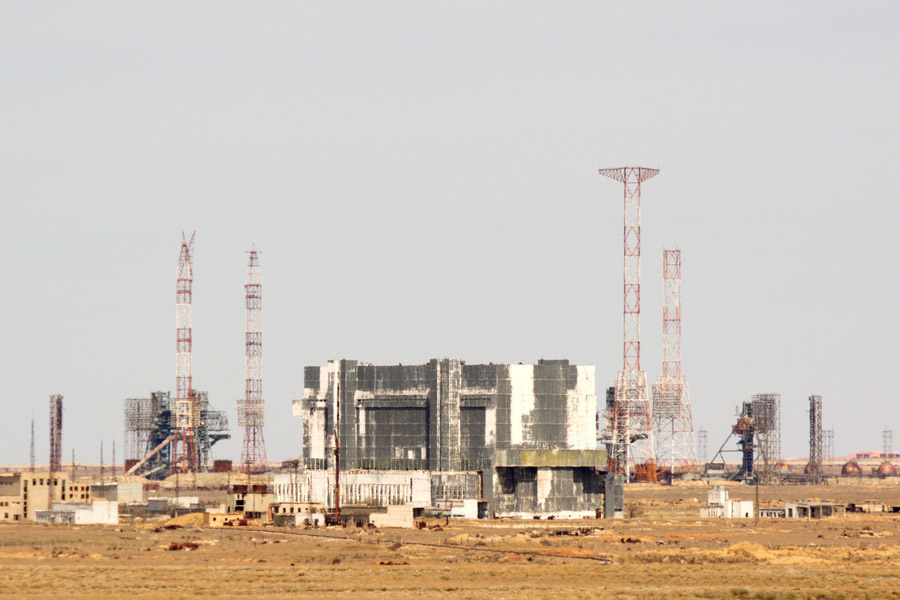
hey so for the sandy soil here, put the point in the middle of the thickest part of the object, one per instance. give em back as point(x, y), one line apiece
point(664, 551)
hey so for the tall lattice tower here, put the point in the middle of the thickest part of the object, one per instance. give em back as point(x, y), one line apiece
point(816, 439)
point(251, 409)
point(56, 411)
point(673, 425)
point(629, 426)
point(766, 413)
point(187, 406)
point(828, 442)
point(887, 441)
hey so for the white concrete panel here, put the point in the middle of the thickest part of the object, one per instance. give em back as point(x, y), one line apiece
point(521, 403)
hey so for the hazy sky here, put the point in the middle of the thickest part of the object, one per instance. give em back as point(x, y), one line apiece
point(421, 179)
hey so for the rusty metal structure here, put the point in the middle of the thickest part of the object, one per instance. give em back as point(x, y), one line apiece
point(816, 440)
point(673, 424)
point(251, 409)
point(186, 406)
point(629, 426)
point(56, 413)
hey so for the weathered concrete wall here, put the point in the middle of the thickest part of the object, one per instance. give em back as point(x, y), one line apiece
point(443, 415)
point(548, 491)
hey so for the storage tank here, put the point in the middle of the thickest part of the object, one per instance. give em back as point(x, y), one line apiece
point(851, 468)
point(886, 469)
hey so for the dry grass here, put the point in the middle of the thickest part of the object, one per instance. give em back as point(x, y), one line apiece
point(666, 553)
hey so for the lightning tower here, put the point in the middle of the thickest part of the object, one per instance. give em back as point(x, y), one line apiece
point(629, 428)
point(251, 411)
point(672, 421)
point(187, 409)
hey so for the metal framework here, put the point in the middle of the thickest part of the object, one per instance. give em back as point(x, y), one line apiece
point(766, 414)
point(629, 433)
point(673, 424)
point(251, 409)
point(816, 439)
point(887, 441)
point(56, 412)
point(828, 442)
point(702, 438)
point(187, 408)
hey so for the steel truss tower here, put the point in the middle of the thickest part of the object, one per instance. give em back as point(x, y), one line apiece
point(251, 410)
point(187, 406)
point(816, 439)
point(766, 414)
point(56, 412)
point(629, 427)
point(887, 441)
point(672, 422)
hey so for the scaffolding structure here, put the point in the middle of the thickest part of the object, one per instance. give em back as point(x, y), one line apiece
point(673, 424)
point(629, 426)
point(766, 415)
point(887, 441)
point(186, 409)
point(150, 434)
point(816, 439)
point(828, 442)
point(251, 409)
point(702, 438)
point(56, 412)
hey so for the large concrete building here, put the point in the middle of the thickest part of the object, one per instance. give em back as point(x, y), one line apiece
point(23, 494)
point(525, 433)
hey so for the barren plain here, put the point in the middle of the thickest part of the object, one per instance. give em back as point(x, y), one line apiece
point(663, 550)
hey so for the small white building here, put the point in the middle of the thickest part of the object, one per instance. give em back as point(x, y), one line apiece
point(719, 506)
point(396, 516)
point(98, 512)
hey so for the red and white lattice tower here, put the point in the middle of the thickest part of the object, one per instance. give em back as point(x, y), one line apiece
point(251, 410)
point(629, 432)
point(672, 422)
point(186, 406)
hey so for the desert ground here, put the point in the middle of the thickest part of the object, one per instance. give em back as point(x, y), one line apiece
point(662, 550)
